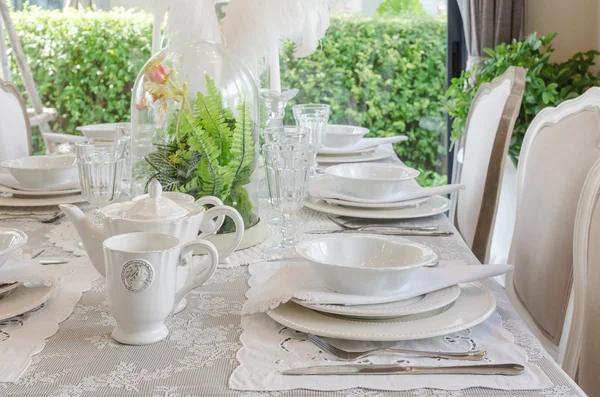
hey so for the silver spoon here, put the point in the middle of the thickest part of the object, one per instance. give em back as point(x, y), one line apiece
point(377, 226)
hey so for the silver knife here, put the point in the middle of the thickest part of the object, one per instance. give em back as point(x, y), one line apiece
point(53, 261)
point(383, 369)
point(383, 232)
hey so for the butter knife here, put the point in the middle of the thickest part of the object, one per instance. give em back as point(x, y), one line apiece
point(384, 232)
point(383, 369)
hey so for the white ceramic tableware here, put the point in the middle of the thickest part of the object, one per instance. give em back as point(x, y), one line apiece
point(343, 136)
point(379, 153)
point(432, 206)
point(175, 214)
point(141, 282)
point(365, 264)
point(364, 145)
point(10, 240)
point(40, 201)
point(94, 131)
point(6, 289)
point(392, 205)
point(24, 298)
point(420, 304)
point(11, 185)
point(475, 304)
point(369, 180)
point(43, 171)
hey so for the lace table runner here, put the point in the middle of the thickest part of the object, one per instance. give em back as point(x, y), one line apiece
point(25, 335)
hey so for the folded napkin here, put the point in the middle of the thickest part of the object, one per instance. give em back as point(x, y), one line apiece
point(9, 181)
point(326, 187)
point(296, 280)
point(26, 270)
point(365, 143)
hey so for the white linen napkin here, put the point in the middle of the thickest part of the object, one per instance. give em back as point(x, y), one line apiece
point(365, 143)
point(9, 181)
point(326, 187)
point(26, 270)
point(296, 280)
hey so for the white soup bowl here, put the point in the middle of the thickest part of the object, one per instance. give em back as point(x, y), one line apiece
point(10, 240)
point(343, 136)
point(364, 265)
point(372, 181)
point(43, 171)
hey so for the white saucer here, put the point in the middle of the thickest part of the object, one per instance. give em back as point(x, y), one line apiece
point(432, 206)
point(396, 205)
point(474, 305)
point(381, 152)
point(23, 299)
point(420, 304)
point(41, 201)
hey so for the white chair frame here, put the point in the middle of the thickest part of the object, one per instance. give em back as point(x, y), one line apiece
point(11, 89)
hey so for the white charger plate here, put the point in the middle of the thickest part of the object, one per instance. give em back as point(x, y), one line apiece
point(475, 304)
point(41, 201)
point(23, 299)
point(432, 206)
point(27, 193)
point(396, 205)
point(381, 152)
point(420, 304)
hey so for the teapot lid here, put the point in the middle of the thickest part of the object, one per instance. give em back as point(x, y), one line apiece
point(154, 207)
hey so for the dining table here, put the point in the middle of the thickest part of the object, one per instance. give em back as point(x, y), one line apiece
point(200, 353)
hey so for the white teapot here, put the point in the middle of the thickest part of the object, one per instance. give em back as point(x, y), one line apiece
point(171, 213)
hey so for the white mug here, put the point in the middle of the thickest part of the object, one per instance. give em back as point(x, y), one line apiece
point(141, 282)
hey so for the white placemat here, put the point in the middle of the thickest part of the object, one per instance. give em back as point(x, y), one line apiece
point(25, 335)
point(269, 348)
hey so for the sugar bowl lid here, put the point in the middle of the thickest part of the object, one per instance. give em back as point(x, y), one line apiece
point(154, 207)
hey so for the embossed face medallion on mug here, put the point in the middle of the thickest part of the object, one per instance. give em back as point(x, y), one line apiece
point(141, 280)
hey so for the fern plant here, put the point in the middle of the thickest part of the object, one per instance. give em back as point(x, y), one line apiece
point(212, 152)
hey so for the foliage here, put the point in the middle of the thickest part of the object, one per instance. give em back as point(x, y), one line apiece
point(400, 7)
point(83, 63)
point(547, 83)
point(386, 74)
point(211, 154)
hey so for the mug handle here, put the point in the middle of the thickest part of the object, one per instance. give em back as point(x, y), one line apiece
point(215, 202)
point(208, 226)
point(192, 281)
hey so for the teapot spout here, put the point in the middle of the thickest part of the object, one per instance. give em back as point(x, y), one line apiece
point(91, 236)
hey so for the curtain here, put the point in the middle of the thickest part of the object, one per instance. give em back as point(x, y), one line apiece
point(488, 23)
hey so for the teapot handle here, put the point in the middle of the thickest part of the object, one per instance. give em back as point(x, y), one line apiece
point(192, 281)
point(216, 212)
point(214, 226)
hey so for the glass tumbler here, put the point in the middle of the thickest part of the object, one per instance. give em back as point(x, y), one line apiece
point(288, 168)
point(100, 163)
point(314, 117)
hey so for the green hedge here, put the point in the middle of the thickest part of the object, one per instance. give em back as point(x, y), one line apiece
point(387, 74)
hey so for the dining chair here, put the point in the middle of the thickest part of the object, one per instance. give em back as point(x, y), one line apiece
point(489, 127)
point(559, 149)
point(15, 131)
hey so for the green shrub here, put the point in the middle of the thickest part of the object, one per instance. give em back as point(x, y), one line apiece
point(84, 63)
point(547, 83)
point(386, 74)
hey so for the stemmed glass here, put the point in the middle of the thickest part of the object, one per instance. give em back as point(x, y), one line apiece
point(288, 168)
point(314, 117)
point(100, 163)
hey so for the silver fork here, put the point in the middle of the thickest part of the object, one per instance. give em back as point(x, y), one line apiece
point(377, 226)
point(475, 355)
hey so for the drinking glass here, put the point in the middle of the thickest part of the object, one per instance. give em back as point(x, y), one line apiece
point(314, 117)
point(100, 164)
point(288, 168)
point(286, 134)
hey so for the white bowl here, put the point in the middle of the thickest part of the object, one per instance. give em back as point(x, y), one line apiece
point(372, 181)
point(93, 131)
point(43, 171)
point(365, 264)
point(10, 240)
point(343, 136)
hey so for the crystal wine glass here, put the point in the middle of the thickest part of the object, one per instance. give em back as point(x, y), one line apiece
point(100, 163)
point(288, 168)
point(314, 117)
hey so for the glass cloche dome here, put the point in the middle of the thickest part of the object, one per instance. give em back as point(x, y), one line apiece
point(194, 117)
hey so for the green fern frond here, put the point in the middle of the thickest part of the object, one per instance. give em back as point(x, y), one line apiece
point(242, 148)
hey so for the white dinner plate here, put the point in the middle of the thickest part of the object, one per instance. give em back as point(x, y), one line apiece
point(7, 181)
point(345, 152)
point(26, 193)
point(382, 152)
point(5, 289)
point(432, 206)
point(420, 304)
point(396, 205)
point(41, 201)
point(474, 305)
point(23, 299)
